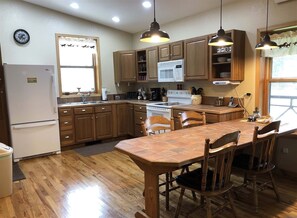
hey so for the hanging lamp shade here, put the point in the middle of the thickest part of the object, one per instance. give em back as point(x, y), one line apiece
point(154, 34)
point(221, 39)
point(266, 43)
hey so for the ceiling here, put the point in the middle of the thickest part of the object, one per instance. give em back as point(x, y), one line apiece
point(134, 17)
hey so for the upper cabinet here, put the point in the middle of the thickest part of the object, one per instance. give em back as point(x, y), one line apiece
point(124, 66)
point(152, 57)
point(227, 63)
point(196, 58)
point(141, 66)
point(171, 51)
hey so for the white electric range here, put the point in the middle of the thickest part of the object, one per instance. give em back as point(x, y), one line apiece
point(175, 97)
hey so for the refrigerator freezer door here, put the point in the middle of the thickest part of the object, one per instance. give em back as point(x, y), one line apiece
point(45, 135)
point(31, 93)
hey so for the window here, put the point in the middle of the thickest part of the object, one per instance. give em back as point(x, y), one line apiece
point(283, 88)
point(78, 64)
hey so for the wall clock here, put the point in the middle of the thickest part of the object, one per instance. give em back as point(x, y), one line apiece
point(21, 36)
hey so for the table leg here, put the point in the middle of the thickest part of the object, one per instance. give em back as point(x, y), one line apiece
point(152, 206)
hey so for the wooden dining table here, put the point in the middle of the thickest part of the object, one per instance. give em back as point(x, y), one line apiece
point(158, 154)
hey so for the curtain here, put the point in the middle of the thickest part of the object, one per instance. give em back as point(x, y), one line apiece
point(287, 42)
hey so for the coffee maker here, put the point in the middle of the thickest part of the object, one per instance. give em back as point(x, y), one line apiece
point(155, 94)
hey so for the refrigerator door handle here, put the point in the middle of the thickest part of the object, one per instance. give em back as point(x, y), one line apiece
point(32, 125)
point(53, 87)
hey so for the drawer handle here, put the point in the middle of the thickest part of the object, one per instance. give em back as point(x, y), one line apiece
point(179, 113)
point(67, 137)
point(103, 108)
point(83, 110)
point(65, 112)
point(140, 118)
point(140, 108)
point(66, 122)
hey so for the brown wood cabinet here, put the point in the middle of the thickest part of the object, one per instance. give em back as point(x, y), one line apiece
point(227, 63)
point(196, 58)
point(130, 118)
point(141, 66)
point(152, 57)
point(122, 119)
point(171, 51)
point(84, 124)
point(139, 116)
point(124, 66)
point(67, 136)
point(103, 122)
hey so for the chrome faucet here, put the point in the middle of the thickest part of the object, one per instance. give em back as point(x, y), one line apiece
point(83, 96)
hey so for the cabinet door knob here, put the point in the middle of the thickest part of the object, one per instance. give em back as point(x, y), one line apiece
point(67, 137)
point(140, 108)
point(103, 108)
point(65, 122)
point(65, 112)
point(140, 118)
point(83, 110)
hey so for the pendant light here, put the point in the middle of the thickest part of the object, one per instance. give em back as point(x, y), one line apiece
point(266, 43)
point(221, 39)
point(154, 35)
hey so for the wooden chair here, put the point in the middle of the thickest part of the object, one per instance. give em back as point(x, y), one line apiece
point(259, 161)
point(192, 118)
point(212, 181)
point(157, 125)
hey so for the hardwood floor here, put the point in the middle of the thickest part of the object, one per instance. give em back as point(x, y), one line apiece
point(111, 185)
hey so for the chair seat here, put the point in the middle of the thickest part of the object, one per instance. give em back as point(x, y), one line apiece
point(242, 161)
point(193, 179)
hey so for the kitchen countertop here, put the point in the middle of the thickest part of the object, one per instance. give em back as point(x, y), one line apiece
point(199, 108)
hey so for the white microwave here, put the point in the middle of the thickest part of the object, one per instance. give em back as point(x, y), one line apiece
point(171, 71)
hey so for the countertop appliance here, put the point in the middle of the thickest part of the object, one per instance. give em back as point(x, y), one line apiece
point(171, 71)
point(32, 106)
point(175, 97)
point(155, 94)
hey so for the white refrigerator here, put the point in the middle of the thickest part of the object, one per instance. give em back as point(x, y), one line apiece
point(32, 109)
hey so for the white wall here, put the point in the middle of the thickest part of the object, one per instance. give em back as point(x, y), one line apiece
point(42, 24)
point(248, 15)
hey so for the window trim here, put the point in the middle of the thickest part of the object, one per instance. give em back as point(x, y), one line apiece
point(96, 66)
point(263, 78)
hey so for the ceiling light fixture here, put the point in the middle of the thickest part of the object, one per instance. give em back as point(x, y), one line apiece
point(154, 35)
point(221, 39)
point(74, 5)
point(266, 43)
point(116, 19)
point(146, 4)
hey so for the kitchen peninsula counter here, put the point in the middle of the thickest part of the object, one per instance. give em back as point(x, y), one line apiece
point(209, 108)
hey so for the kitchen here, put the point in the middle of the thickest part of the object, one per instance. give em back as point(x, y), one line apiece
point(43, 24)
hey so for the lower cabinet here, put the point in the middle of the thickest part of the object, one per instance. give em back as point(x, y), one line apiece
point(84, 124)
point(139, 116)
point(130, 117)
point(103, 122)
point(66, 126)
point(122, 119)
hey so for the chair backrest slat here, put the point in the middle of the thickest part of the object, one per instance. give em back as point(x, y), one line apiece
point(263, 146)
point(192, 118)
point(157, 125)
point(218, 156)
